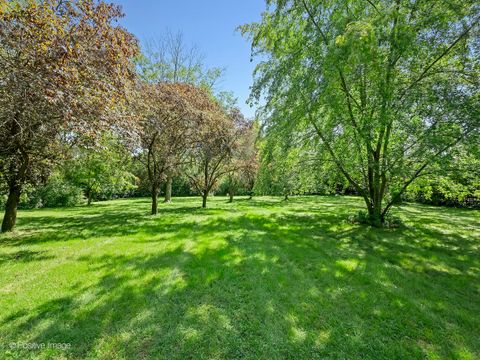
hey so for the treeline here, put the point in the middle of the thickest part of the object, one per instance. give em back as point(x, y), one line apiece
point(379, 100)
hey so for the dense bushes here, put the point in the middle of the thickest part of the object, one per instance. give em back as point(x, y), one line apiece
point(57, 192)
point(458, 186)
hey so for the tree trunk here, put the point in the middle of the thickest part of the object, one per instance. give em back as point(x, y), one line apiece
point(204, 199)
point(89, 197)
point(155, 199)
point(10, 217)
point(251, 185)
point(375, 215)
point(286, 197)
point(168, 190)
point(230, 194)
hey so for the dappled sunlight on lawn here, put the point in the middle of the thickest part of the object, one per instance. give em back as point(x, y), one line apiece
point(255, 279)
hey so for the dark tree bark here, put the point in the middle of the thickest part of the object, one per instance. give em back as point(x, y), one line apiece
point(168, 190)
point(15, 185)
point(155, 189)
point(375, 215)
point(204, 199)
point(230, 194)
point(89, 197)
point(250, 192)
point(10, 217)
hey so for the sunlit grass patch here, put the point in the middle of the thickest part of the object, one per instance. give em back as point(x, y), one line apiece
point(253, 279)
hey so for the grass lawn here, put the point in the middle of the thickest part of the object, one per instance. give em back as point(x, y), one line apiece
point(258, 279)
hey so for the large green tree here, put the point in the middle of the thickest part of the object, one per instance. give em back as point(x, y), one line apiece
point(389, 87)
point(287, 162)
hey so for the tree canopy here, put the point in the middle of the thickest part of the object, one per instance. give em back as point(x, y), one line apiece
point(65, 70)
point(389, 87)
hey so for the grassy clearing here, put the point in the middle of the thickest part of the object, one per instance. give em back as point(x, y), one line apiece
point(253, 279)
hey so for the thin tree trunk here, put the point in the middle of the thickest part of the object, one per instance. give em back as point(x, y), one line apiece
point(10, 217)
point(89, 197)
point(230, 194)
point(154, 199)
point(205, 184)
point(250, 191)
point(168, 190)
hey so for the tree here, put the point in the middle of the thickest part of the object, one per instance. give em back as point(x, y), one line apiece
point(389, 87)
point(215, 143)
point(249, 157)
point(244, 160)
point(169, 59)
point(284, 169)
point(169, 113)
point(64, 67)
point(233, 182)
point(168, 189)
point(100, 170)
point(452, 185)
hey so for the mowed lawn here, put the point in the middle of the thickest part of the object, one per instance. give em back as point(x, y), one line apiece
point(256, 279)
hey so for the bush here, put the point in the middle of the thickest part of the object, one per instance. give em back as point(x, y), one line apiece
point(56, 193)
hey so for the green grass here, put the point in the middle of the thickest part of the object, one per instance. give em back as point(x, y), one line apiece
point(259, 279)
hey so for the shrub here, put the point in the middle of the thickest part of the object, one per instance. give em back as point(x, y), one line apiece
point(56, 193)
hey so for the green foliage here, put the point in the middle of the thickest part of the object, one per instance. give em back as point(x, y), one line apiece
point(450, 186)
point(386, 88)
point(57, 192)
point(102, 171)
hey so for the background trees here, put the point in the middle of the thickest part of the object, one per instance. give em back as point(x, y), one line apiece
point(214, 145)
point(63, 66)
point(167, 116)
point(248, 156)
point(244, 161)
point(389, 87)
point(170, 59)
point(361, 98)
point(101, 171)
point(454, 185)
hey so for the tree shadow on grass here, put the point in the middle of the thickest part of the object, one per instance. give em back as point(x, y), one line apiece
point(280, 285)
point(92, 224)
point(24, 256)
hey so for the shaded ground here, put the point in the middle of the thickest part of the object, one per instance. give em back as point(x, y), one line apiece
point(253, 279)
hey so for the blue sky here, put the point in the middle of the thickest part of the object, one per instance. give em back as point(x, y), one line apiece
point(210, 24)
